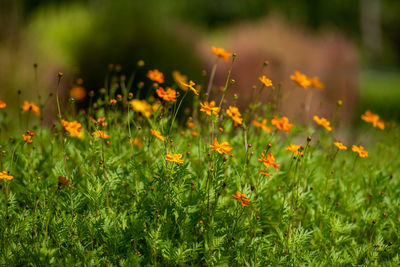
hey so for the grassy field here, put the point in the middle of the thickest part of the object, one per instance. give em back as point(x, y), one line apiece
point(131, 182)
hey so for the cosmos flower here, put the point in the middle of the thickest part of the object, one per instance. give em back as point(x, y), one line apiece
point(340, 145)
point(221, 148)
point(74, 128)
point(4, 175)
point(2, 104)
point(264, 80)
point(282, 123)
point(323, 122)
point(221, 53)
point(156, 76)
point(141, 106)
point(101, 134)
point(31, 106)
point(241, 198)
point(262, 125)
point(372, 118)
point(295, 149)
point(235, 115)
point(190, 86)
point(360, 150)
point(174, 158)
point(269, 161)
point(157, 134)
point(209, 107)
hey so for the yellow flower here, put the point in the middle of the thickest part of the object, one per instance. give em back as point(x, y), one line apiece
point(372, 118)
point(294, 149)
point(157, 134)
point(282, 123)
point(4, 175)
point(269, 161)
point(360, 150)
point(2, 104)
point(317, 83)
point(180, 79)
point(77, 92)
point(174, 158)
point(155, 75)
point(113, 101)
point(101, 134)
point(241, 198)
point(301, 79)
point(221, 53)
point(221, 148)
point(190, 86)
point(167, 95)
point(31, 106)
point(235, 115)
point(141, 106)
point(262, 125)
point(73, 127)
point(340, 145)
point(323, 122)
point(209, 107)
point(264, 80)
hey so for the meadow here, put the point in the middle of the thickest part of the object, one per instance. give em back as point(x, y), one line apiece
point(156, 174)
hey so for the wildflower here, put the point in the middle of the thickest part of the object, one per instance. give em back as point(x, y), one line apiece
point(28, 136)
point(301, 79)
point(360, 150)
point(180, 79)
point(101, 134)
point(174, 158)
point(73, 127)
point(157, 134)
point(100, 120)
point(262, 125)
point(221, 147)
point(136, 142)
point(221, 53)
point(372, 118)
point(194, 133)
point(339, 103)
point(113, 101)
point(294, 149)
point(315, 82)
point(340, 145)
point(269, 161)
point(167, 95)
point(2, 104)
point(4, 175)
point(323, 122)
point(241, 198)
point(209, 107)
point(77, 92)
point(235, 115)
point(190, 124)
point(155, 75)
point(31, 106)
point(282, 123)
point(265, 173)
point(190, 86)
point(141, 106)
point(264, 80)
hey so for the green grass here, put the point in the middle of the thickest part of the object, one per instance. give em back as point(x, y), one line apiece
point(92, 201)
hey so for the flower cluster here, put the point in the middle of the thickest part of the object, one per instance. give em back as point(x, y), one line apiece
point(74, 128)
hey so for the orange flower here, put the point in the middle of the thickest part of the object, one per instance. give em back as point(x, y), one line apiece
point(4, 175)
point(301, 79)
point(157, 134)
point(360, 150)
point(73, 127)
point(180, 79)
point(315, 82)
point(28, 136)
point(269, 161)
point(340, 145)
point(235, 115)
point(155, 75)
point(264, 80)
point(113, 101)
point(262, 125)
point(372, 118)
point(221, 53)
point(194, 133)
point(209, 107)
point(241, 198)
point(221, 148)
point(174, 158)
point(169, 95)
point(141, 106)
point(190, 124)
point(294, 149)
point(77, 92)
point(282, 123)
point(323, 122)
point(31, 106)
point(265, 173)
point(101, 134)
point(2, 104)
point(190, 86)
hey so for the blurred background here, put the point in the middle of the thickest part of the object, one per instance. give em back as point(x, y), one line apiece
point(353, 46)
